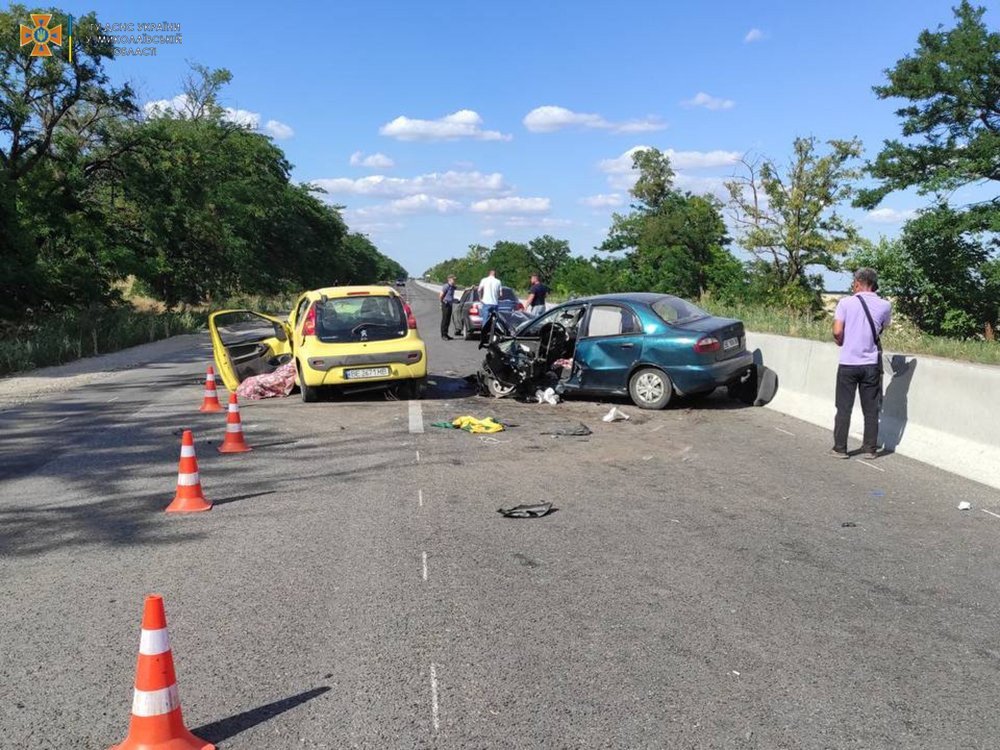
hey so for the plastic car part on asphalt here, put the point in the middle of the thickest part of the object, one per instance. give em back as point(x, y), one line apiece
point(570, 429)
point(536, 510)
point(615, 415)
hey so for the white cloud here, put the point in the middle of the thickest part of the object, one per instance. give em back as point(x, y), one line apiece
point(423, 203)
point(701, 99)
point(435, 184)
point(461, 124)
point(549, 118)
point(511, 205)
point(610, 200)
point(754, 35)
point(891, 215)
point(488, 232)
point(242, 117)
point(176, 106)
point(537, 222)
point(372, 161)
point(278, 130)
point(700, 185)
point(622, 177)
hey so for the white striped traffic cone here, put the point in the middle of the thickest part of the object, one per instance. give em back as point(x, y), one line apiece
point(210, 402)
point(156, 722)
point(234, 441)
point(189, 497)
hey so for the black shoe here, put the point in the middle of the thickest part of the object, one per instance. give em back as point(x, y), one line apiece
point(446, 338)
point(838, 454)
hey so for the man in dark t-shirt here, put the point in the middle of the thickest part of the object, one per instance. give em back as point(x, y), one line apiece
point(447, 297)
point(536, 296)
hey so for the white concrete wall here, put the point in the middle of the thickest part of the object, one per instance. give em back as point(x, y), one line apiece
point(938, 411)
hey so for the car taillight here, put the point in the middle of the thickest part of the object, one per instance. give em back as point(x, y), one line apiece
point(309, 326)
point(518, 307)
point(707, 344)
point(411, 321)
point(474, 310)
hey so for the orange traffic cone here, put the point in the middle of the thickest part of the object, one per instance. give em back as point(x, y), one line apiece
point(234, 442)
point(156, 708)
point(211, 400)
point(189, 497)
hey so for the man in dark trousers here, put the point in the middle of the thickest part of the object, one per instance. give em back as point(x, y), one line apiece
point(447, 297)
point(857, 328)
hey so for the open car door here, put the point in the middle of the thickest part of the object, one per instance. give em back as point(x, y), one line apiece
point(247, 343)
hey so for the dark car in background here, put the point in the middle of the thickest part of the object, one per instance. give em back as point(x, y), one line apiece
point(468, 313)
point(647, 346)
point(401, 281)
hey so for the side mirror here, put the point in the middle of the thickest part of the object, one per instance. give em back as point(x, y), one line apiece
point(279, 332)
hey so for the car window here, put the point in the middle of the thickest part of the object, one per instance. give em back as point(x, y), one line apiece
point(568, 316)
point(605, 320)
point(675, 310)
point(300, 311)
point(244, 327)
point(506, 293)
point(361, 318)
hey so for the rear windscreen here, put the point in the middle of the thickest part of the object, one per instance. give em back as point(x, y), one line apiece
point(675, 310)
point(367, 318)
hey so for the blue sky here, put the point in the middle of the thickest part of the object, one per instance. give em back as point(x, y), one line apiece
point(379, 80)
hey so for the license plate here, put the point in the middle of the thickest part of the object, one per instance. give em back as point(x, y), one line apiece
point(366, 372)
point(730, 344)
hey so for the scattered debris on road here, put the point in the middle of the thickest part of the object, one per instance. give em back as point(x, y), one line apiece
point(571, 429)
point(548, 396)
point(472, 424)
point(848, 525)
point(615, 415)
point(277, 384)
point(526, 511)
point(965, 505)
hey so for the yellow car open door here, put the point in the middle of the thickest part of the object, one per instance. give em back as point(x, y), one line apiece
point(247, 343)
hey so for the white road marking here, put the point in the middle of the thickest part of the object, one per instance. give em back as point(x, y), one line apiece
point(420, 498)
point(425, 566)
point(863, 462)
point(418, 457)
point(60, 421)
point(416, 417)
point(113, 398)
point(434, 698)
point(785, 431)
point(995, 515)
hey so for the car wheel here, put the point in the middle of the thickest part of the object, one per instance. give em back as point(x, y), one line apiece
point(310, 393)
point(650, 388)
point(498, 389)
point(469, 333)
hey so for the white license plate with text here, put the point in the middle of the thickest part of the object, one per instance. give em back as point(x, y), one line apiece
point(730, 344)
point(366, 372)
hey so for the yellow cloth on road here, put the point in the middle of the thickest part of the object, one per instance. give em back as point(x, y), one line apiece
point(471, 424)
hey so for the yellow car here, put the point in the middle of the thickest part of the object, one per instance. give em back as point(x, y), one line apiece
point(354, 337)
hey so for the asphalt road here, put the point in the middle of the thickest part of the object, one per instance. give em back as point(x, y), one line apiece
point(710, 580)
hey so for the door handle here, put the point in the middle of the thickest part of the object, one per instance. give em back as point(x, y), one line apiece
point(628, 346)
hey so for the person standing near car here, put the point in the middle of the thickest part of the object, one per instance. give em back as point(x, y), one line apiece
point(858, 324)
point(489, 295)
point(447, 297)
point(536, 296)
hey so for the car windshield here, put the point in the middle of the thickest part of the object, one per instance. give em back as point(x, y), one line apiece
point(675, 310)
point(361, 318)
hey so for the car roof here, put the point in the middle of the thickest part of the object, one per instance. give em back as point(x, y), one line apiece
point(348, 291)
point(644, 298)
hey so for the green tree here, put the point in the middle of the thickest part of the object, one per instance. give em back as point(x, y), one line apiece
point(789, 221)
point(951, 127)
point(673, 241)
point(513, 263)
point(548, 254)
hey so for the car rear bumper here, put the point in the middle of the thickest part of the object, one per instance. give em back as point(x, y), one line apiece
point(695, 378)
point(402, 365)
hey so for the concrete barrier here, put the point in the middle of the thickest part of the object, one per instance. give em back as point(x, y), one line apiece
point(938, 411)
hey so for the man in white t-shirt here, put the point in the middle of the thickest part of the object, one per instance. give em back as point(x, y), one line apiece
point(489, 295)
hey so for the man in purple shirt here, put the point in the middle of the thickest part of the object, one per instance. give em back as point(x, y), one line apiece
point(857, 328)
